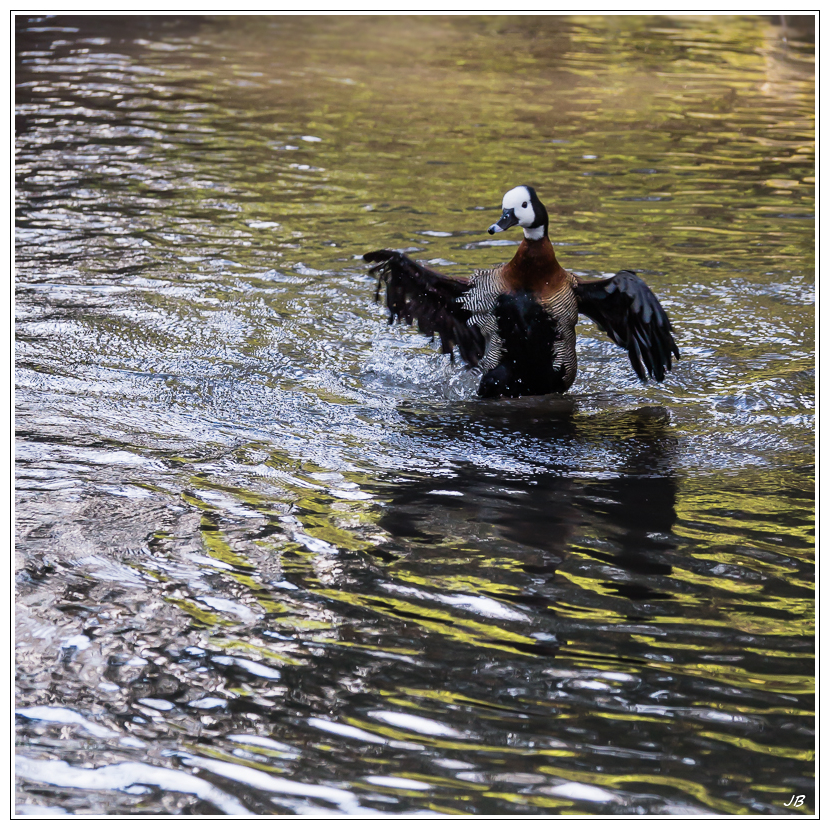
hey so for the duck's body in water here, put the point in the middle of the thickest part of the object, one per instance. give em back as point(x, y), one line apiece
point(517, 321)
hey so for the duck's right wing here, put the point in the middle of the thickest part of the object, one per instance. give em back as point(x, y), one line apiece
point(416, 293)
point(625, 308)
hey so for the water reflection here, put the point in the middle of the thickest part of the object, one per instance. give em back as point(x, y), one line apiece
point(498, 543)
point(545, 512)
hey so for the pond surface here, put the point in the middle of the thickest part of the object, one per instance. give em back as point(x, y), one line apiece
point(273, 555)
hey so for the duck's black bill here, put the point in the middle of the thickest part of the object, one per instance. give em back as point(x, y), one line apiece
point(508, 219)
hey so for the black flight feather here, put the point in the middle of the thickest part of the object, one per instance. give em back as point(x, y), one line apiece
point(625, 308)
point(415, 293)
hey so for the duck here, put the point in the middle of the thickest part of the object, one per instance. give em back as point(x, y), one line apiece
point(516, 322)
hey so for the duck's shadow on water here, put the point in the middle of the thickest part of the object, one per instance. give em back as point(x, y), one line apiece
point(621, 515)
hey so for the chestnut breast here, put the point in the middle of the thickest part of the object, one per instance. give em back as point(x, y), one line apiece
point(534, 268)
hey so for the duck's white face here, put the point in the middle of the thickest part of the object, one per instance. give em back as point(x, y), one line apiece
point(518, 200)
point(517, 209)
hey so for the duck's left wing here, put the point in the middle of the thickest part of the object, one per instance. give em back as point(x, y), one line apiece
point(417, 293)
point(625, 308)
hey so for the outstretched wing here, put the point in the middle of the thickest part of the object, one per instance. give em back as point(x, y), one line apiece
point(625, 308)
point(417, 293)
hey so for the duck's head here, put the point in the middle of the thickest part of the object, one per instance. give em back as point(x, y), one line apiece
point(521, 206)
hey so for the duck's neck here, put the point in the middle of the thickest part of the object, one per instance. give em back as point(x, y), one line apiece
point(535, 266)
point(534, 234)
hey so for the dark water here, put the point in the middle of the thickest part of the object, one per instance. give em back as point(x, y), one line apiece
point(273, 556)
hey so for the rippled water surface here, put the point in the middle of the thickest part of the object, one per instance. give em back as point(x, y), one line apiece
point(273, 556)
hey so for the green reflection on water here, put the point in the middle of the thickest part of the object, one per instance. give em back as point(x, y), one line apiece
point(644, 111)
